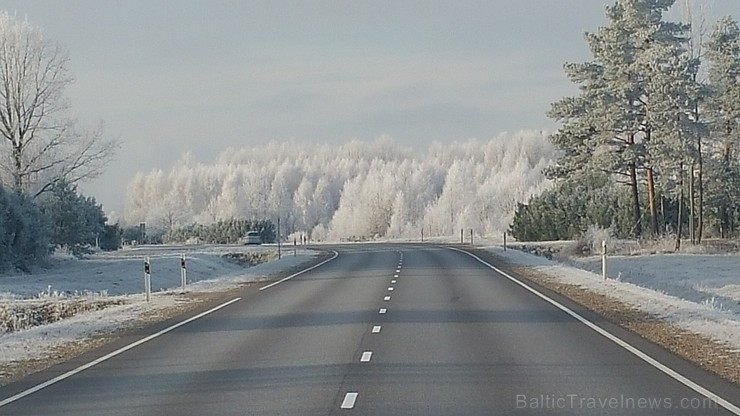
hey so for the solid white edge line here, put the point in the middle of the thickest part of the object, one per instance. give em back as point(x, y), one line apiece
point(108, 356)
point(349, 400)
point(301, 272)
point(624, 344)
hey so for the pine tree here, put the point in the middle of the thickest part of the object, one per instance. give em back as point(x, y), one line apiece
point(24, 235)
point(76, 221)
point(630, 95)
point(723, 53)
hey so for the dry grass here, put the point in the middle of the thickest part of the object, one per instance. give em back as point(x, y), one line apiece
point(251, 258)
point(17, 315)
point(16, 370)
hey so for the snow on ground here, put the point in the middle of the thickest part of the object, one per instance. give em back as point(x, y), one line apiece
point(119, 275)
point(122, 272)
point(704, 279)
point(700, 293)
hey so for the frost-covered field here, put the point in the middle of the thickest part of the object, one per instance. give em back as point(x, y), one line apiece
point(698, 292)
point(122, 272)
point(118, 278)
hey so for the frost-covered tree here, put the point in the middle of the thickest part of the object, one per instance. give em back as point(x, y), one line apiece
point(568, 210)
point(723, 54)
point(360, 190)
point(41, 144)
point(75, 221)
point(675, 96)
point(24, 236)
point(694, 13)
point(630, 95)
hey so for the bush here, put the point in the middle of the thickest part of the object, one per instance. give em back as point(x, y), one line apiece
point(76, 221)
point(111, 237)
point(24, 237)
point(566, 211)
point(231, 231)
point(589, 242)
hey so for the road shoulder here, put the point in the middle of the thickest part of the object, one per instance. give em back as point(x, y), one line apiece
point(702, 351)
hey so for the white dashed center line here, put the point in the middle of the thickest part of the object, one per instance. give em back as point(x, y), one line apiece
point(383, 311)
point(366, 357)
point(395, 275)
point(387, 298)
point(398, 270)
point(349, 400)
point(393, 282)
point(376, 329)
point(390, 289)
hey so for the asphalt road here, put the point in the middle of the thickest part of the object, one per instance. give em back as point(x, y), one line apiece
point(381, 330)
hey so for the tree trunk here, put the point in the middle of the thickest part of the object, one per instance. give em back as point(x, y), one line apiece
point(679, 226)
point(651, 202)
point(632, 168)
point(635, 200)
point(651, 192)
point(692, 207)
point(18, 166)
point(700, 183)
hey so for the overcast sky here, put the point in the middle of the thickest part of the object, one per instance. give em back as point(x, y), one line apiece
point(167, 77)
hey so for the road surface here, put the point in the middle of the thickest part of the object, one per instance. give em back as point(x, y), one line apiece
point(380, 329)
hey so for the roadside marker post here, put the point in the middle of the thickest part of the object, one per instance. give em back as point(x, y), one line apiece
point(183, 273)
point(603, 259)
point(147, 278)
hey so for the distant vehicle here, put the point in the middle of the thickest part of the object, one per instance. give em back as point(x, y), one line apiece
point(253, 237)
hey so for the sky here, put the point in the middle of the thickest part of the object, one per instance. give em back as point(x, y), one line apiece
point(170, 77)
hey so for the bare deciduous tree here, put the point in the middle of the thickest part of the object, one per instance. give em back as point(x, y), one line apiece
point(42, 144)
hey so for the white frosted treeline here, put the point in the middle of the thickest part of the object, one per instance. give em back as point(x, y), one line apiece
point(359, 190)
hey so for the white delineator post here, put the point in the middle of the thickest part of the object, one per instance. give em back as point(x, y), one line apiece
point(603, 259)
point(183, 273)
point(147, 279)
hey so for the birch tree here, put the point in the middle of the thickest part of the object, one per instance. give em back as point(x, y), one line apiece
point(41, 145)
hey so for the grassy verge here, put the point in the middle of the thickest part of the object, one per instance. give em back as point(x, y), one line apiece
point(17, 315)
